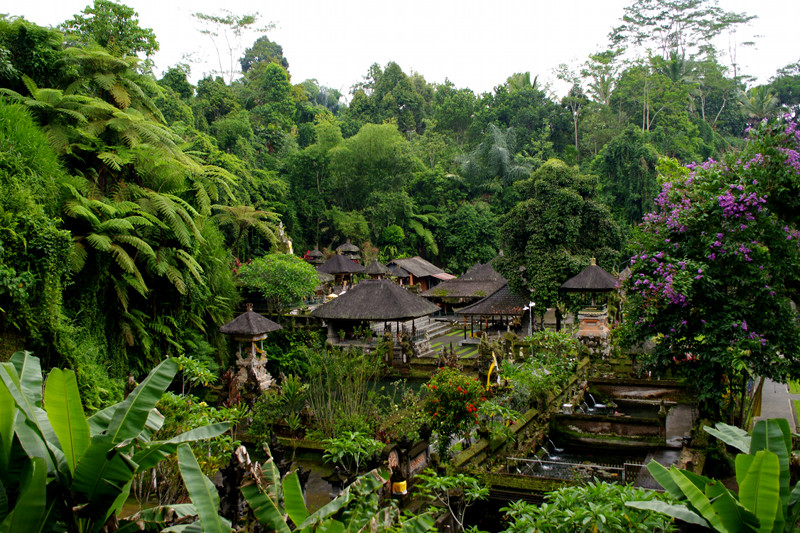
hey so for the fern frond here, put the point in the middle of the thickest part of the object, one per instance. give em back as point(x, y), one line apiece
point(99, 242)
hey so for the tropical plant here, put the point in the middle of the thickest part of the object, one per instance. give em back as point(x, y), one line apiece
point(765, 501)
point(596, 507)
point(351, 450)
point(452, 401)
point(64, 471)
point(456, 493)
point(282, 279)
point(357, 508)
point(342, 392)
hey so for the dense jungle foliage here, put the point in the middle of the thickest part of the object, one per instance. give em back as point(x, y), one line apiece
point(130, 200)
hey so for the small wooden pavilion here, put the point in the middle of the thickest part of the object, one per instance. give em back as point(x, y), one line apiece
point(376, 270)
point(372, 300)
point(476, 283)
point(591, 281)
point(248, 329)
point(420, 271)
point(341, 268)
point(349, 250)
point(501, 309)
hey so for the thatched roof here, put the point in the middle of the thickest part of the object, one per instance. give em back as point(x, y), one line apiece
point(416, 266)
point(478, 282)
point(591, 278)
point(376, 268)
point(315, 253)
point(339, 264)
point(501, 303)
point(375, 299)
point(348, 247)
point(324, 277)
point(397, 271)
point(249, 324)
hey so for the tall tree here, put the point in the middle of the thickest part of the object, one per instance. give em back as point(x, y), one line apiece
point(685, 27)
point(716, 270)
point(113, 26)
point(558, 225)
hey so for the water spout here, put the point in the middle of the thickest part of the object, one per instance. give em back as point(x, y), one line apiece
point(547, 453)
point(555, 448)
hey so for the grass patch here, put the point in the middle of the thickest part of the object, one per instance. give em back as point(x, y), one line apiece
point(794, 387)
point(797, 411)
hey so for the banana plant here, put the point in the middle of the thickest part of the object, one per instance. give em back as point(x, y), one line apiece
point(60, 470)
point(356, 509)
point(764, 502)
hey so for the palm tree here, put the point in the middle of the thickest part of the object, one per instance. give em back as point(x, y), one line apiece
point(492, 164)
point(759, 103)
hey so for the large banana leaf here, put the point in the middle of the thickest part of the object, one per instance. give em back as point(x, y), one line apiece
point(697, 499)
point(264, 508)
point(29, 370)
point(774, 435)
point(681, 512)
point(731, 435)
point(734, 516)
point(29, 512)
point(153, 452)
point(201, 491)
point(32, 427)
point(760, 490)
point(371, 481)
point(130, 417)
point(103, 472)
point(98, 422)
point(8, 416)
point(65, 413)
point(662, 475)
point(293, 501)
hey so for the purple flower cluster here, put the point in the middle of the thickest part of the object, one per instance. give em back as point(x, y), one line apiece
point(663, 283)
point(740, 205)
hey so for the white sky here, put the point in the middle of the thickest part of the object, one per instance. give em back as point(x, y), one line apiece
point(474, 44)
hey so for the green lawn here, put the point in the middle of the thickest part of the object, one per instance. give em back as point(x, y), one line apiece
point(797, 410)
point(794, 387)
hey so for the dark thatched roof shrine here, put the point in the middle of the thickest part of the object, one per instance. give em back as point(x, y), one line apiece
point(375, 299)
point(478, 282)
point(591, 279)
point(500, 303)
point(324, 277)
point(315, 254)
point(339, 264)
point(397, 271)
point(376, 268)
point(249, 324)
point(348, 247)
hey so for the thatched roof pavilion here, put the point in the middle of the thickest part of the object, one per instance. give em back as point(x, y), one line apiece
point(375, 300)
point(420, 271)
point(250, 327)
point(372, 300)
point(348, 248)
point(339, 264)
point(376, 270)
point(502, 306)
point(478, 282)
point(342, 267)
point(315, 257)
point(591, 279)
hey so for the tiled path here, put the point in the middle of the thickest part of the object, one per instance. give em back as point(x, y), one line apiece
point(776, 402)
point(455, 336)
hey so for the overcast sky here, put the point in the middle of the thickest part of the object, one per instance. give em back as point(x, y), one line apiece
point(474, 44)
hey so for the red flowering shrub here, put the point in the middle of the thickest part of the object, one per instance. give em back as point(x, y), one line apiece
point(451, 402)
